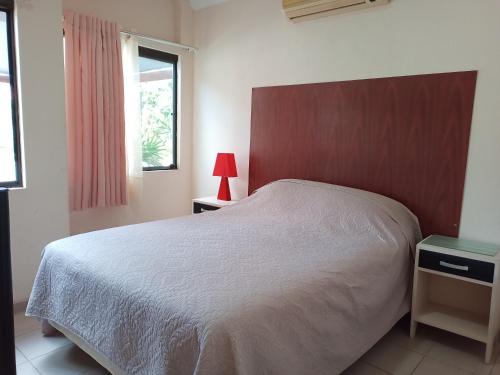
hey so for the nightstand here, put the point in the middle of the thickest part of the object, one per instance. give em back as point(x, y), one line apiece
point(455, 288)
point(209, 204)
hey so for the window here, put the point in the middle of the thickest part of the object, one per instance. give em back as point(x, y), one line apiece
point(10, 158)
point(158, 90)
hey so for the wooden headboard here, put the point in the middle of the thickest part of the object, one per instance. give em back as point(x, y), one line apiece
point(403, 137)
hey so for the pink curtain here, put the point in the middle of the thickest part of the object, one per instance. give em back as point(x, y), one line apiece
point(94, 112)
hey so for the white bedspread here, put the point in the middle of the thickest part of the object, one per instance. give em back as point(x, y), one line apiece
point(300, 278)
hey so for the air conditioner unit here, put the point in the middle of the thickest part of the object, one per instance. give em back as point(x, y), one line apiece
point(298, 10)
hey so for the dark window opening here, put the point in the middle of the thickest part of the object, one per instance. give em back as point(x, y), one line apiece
point(10, 148)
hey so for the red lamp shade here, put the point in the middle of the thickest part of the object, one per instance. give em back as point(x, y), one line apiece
point(225, 166)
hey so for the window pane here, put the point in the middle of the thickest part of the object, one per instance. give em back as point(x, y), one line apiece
point(157, 112)
point(7, 154)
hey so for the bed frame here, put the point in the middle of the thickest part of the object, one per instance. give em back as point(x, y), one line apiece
point(403, 137)
point(48, 328)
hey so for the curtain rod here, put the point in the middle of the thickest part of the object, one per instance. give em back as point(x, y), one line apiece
point(162, 41)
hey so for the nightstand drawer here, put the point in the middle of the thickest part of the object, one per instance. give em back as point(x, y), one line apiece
point(465, 267)
point(198, 208)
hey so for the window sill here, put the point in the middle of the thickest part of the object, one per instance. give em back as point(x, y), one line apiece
point(14, 188)
point(160, 170)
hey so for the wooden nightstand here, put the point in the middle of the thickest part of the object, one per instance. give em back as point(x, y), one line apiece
point(455, 288)
point(209, 204)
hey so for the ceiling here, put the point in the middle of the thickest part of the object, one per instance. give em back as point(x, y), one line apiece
point(200, 4)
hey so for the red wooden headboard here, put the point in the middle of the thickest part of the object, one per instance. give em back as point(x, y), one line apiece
point(403, 137)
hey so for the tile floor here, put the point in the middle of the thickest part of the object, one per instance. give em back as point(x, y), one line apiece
point(432, 352)
point(55, 355)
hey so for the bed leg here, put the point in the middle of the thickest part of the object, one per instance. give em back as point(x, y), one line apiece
point(47, 329)
point(489, 352)
point(413, 329)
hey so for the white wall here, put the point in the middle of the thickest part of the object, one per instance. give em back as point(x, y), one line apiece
point(39, 213)
point(153, 17)
point(164, 193)
point(245, 44)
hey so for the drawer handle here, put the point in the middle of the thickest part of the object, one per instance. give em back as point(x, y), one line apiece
point(454, 266)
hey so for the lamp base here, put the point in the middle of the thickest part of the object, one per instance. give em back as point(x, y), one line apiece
point(224, 192)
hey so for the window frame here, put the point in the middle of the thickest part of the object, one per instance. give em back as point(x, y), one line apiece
point(174, 60)
point(7, 6)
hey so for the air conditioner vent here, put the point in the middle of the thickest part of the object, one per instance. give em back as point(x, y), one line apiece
point(298, 10)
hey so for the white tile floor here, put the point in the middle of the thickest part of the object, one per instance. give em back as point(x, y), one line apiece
point(55, 355)
point(432, 352)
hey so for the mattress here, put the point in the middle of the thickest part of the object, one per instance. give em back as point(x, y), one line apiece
point(301, 277)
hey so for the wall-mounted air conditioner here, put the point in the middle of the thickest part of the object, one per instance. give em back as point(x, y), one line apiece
point(298, 10)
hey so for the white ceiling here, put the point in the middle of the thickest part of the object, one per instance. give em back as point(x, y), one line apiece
point(200, 4)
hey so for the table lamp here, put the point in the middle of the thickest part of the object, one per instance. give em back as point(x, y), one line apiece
point(225, 167)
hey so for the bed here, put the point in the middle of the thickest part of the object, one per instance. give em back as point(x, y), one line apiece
point(301, 277)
